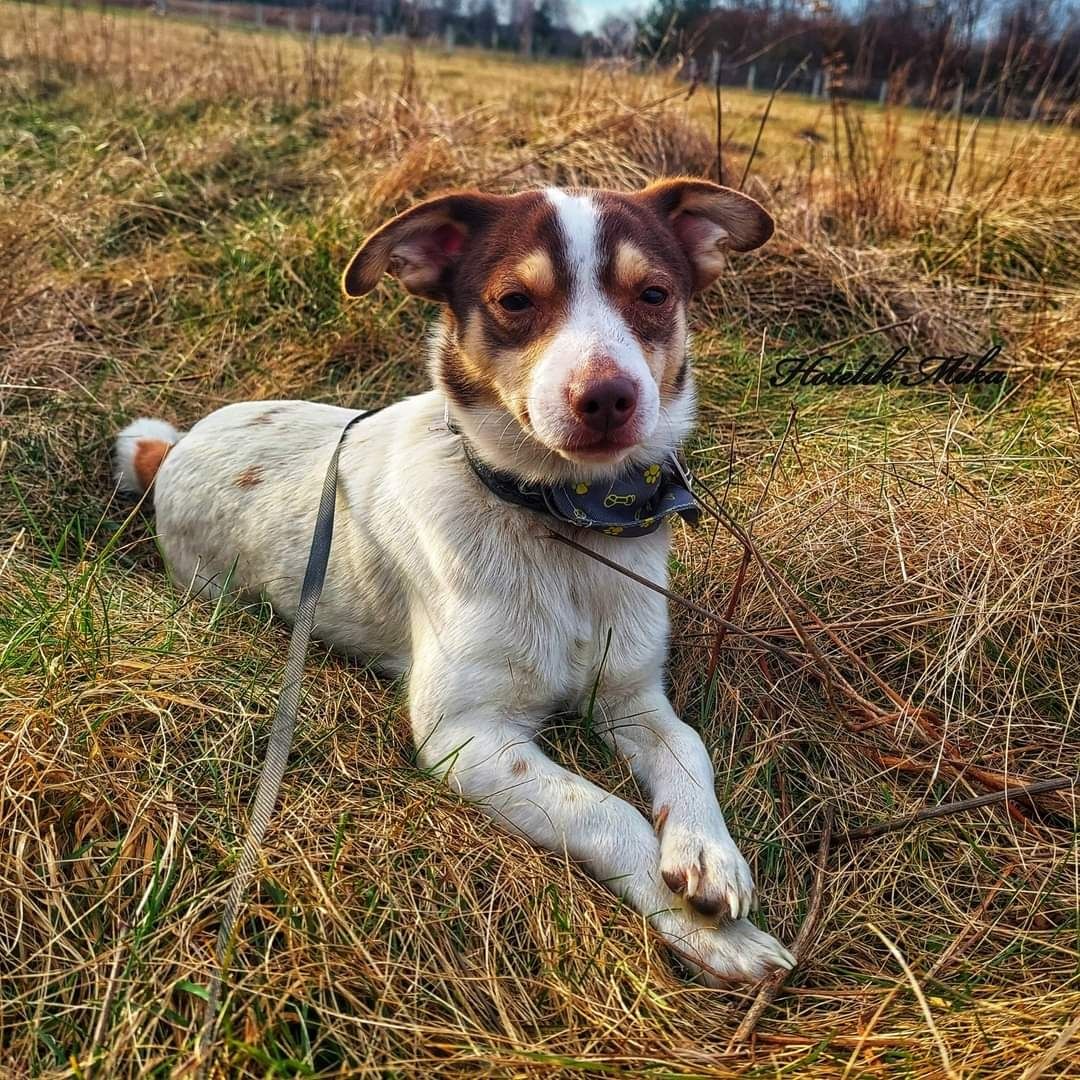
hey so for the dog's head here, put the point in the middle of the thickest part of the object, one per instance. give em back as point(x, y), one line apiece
point(564, 349)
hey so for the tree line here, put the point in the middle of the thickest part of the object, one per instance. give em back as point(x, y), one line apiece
point(1015, 57)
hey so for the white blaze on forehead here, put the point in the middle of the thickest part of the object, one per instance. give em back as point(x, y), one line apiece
point(593, 331)
point(579, 224)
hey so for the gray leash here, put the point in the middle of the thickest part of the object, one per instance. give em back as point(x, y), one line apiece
point(277, 750)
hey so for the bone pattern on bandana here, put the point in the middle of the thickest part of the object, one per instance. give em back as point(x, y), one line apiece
point(633, 504)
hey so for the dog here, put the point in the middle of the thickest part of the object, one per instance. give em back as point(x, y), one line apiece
point(562, 392)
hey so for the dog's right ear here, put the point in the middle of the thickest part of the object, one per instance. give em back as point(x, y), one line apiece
point(421, 246)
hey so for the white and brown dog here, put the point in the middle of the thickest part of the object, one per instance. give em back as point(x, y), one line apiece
point(561, 371)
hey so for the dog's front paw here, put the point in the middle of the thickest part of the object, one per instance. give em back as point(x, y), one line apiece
point(734, 952)
point(704, 866)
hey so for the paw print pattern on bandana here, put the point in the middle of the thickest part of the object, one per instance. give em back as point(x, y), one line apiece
point(652, 474)
point(613, 530)
point(582, 489)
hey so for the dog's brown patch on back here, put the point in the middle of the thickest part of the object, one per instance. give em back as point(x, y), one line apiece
point(149, 454)
point(251, 476)
point(263, 418)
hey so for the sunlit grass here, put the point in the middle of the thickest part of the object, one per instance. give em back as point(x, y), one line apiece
point(179, 204)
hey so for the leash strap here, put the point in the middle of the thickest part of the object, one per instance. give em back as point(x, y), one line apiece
point(281, 736)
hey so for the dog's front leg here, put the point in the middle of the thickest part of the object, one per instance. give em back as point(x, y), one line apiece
point(469, 732)
point(698, 858)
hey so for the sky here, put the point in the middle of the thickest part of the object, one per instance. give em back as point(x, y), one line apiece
point(588, 14)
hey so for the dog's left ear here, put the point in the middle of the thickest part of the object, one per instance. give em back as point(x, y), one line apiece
point(421, 246)
point(709, 220)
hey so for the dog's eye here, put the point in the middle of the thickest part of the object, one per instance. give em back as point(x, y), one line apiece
point(653, 295)
point(515, 301)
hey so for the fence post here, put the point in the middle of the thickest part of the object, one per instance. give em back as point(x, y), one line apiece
point(751, 75)
point(292, 21)
point(316, 24)
point(816, 91)
point(883, 93)
point(448, 38)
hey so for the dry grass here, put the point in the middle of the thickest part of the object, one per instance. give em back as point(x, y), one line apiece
point(179, 203)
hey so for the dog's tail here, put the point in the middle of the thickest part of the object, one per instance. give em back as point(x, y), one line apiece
point(140, 449)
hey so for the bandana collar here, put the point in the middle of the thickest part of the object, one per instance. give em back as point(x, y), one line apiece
point(635, 503)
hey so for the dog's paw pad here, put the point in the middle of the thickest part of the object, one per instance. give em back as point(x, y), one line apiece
point(706, 869)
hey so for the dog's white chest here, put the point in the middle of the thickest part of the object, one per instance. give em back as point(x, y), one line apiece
point(574, 621)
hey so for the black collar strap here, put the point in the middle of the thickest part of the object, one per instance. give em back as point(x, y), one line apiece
point(635, 503)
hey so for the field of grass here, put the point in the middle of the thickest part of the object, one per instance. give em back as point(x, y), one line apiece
point(178, 203)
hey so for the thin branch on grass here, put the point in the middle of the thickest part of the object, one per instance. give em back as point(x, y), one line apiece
point(719, 119)
point(676, 598)
point(807, 935)
point(729, 610)
point(929, 813)
point(778, 87)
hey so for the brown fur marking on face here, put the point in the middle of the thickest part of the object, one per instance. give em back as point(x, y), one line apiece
point(660, 818)
point(251, 476)
point(676, 363)
point(460, 366)
point(634, 236)
point(519, 767)
point(488, 353)
point(639, 250)
point(536, 273)
point(678, 381)
point(631, 266)
point(147, 459)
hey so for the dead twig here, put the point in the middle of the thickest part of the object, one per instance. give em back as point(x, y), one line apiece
point(928, 813)
point(803, 942)
point(681, 600)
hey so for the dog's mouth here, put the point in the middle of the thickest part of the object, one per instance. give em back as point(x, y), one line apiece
point(598, 450)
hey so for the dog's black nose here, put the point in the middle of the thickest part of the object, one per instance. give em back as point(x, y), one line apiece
point(605, 404)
